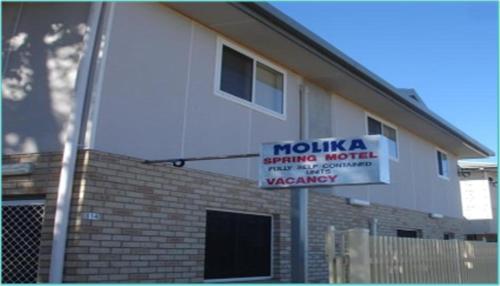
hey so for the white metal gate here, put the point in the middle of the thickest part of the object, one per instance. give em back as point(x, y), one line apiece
point(356, 257)
point(21, 234)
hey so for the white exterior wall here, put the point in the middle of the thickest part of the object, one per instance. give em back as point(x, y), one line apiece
point(41, 47)
point(158, 96)
point(415, 183)
point(157, 101)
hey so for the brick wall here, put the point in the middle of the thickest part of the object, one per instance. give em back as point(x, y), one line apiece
point(42, 183)
point(326, 210)
point(153, 220)
point(152, 225)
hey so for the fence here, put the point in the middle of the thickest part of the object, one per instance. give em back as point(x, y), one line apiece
point(356, 257)
point(21, 233)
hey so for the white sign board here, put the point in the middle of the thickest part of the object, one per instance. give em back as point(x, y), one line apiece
point(324, 162)
point(476, 201)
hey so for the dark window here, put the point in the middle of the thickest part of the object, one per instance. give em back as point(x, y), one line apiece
point(249, 79)
point(416, 233)
point(471, 237)
point(375, 127)
point(236, 74)
point(448, 235)
point(442, 164)
point(237, 245)
point(491, 237)
point(482, 237)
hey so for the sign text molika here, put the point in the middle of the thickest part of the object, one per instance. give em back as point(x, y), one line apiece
point(324, 162)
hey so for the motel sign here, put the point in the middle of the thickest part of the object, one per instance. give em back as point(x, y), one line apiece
point(324, 162)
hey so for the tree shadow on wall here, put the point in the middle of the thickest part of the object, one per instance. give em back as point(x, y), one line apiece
point(42, 45)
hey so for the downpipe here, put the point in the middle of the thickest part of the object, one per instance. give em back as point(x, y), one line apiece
point(68, 164)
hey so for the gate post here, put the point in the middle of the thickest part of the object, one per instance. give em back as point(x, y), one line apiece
point(459, 259)
point(330, 253)
point(358, 251)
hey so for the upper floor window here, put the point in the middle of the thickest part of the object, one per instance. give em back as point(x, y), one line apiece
point(250, 80)
point(375, 127)
point(442, 160)
point(236, 74)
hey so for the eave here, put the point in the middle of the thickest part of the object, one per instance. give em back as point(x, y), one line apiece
point(269, 32)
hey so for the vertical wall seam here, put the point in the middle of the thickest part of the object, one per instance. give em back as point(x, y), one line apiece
point(249, 142)
point(412, 172)
point(186, 90)
point(333, 127)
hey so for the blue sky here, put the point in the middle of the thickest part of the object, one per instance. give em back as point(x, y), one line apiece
point(447, 51)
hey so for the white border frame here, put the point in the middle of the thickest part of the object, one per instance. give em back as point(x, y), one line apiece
point(255, 58)
point(447, 177)
point(384, 122)
point(236, 279)
point(21, 202)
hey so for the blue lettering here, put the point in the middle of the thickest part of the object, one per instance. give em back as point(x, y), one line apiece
point(278, 148)
point(301, 148)
point(337, 145)
point(315, 148)
point(318, 147)
point(357, 144)
point(325, 146)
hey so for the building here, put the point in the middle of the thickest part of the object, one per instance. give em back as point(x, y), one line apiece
point(478, 183)
point(90, 91)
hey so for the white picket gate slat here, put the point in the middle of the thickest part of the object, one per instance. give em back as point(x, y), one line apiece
point(406, 260)
point(409, 260)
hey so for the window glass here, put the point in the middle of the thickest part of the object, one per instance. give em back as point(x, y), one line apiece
point(374, 127)
point(448, 235)
point(442, 164)
point(236, 74)
point(445, 164)
point(244, 76)
point(417, 233)
point(269, 88)
point(237, 245)
point(390, 133)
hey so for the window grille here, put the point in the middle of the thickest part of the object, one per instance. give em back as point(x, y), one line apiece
point(21, 234)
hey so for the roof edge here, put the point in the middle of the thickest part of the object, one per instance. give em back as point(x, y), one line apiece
point(297, 30)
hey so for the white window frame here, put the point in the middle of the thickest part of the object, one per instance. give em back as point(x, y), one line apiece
point(447, 177)
point(221, 42)
point(236, 279)
point(388, 124)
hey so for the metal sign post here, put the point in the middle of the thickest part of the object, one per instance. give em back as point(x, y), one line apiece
point(299, 219)
point(333, 274)
point(299, 207)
